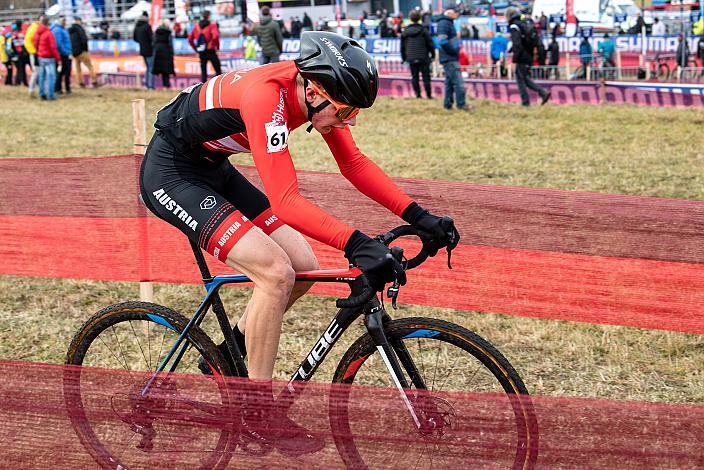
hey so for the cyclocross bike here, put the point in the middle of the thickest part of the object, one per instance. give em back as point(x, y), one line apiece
point(420, 357)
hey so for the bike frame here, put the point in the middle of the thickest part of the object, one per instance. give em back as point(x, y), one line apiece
point(375, 317)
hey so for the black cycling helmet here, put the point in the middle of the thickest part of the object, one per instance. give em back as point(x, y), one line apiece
point(341, 66)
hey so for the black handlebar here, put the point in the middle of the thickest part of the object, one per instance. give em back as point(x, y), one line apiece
point(367, 292)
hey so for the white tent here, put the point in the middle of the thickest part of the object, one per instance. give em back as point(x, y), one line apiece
point(136, 11)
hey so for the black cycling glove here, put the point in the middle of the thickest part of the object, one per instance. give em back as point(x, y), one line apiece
point(374, 259)
point(441, 229)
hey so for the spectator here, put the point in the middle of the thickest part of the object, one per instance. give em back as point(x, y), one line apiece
point(22, 57)
point(362, 28)
point(464, 31)
point(497, 51)
point(682, 53)
point(607, 48)
point(307, 23)
point(282, 27)
point(541, 58)
point(204, 38)
point(105, 27)
point(79, 48)
point(32, 51)
point(296, 28)
point(449, 47)
point(115, 35)
point(418, 50)
point(475, 32)
point(63, 44)
point(5, 59)
point(637, 28)
point(554, 57)
point(659, 28)
point(269, 36)
point(585, 56)
point(144, 36)
point(164, 53)
point(48, 55)
point(700, 52)
point(543, 22)
point(522, 47)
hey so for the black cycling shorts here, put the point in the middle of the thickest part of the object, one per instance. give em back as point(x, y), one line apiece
point(212, 203)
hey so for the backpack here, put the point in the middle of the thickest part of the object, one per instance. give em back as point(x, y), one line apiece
point(529, 35)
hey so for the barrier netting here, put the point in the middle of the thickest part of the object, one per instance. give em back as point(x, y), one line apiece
point(71, 419)
point(599, 258)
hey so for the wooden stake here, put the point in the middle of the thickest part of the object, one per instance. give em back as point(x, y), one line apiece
point(139, 123)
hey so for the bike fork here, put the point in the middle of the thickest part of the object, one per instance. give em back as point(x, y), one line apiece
point(375, 326)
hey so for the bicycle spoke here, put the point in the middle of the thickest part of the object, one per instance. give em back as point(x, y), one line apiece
point(126, 445)
point(149, 345)
point(122, 364)
point(474, 374)
point(422, 361)
point(139, 344)
point(447, 376)
point(163, 338)
point(119, 345)
point(435, 370)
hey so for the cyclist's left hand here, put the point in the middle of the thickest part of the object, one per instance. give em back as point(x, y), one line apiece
point(442, 229)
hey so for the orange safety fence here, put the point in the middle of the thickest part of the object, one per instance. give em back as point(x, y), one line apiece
point(44, 409)
point(591, 257)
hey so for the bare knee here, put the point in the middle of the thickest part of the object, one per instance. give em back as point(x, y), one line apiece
point(277, 280)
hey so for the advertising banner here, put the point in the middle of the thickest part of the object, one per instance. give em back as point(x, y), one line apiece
point(392, 46)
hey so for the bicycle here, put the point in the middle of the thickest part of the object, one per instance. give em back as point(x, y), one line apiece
point(414, 352)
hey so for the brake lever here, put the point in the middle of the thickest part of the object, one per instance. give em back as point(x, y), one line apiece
point(392, 293)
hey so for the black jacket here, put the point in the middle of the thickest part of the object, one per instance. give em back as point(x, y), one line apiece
point(553, 53)
point(144, 36)
point(79, 39)
point(520, 54)
point(163, 52)
point(416, 45)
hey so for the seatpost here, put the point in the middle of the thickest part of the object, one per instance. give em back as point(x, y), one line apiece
point(200, 259)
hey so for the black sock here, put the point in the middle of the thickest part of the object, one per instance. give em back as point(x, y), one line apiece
point(239, 339)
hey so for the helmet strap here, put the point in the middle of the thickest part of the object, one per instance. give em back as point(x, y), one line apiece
point(312, 110)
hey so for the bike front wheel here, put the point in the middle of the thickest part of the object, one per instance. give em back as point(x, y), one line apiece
point(494, 426)
point(180, 421)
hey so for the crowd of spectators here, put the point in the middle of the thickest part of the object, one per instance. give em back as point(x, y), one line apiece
point(48, 50)
point(50, 59)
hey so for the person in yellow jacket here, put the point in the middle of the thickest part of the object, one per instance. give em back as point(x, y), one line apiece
point(698, 27)
point(250, 48)
point(32, 51)
point(5, 59)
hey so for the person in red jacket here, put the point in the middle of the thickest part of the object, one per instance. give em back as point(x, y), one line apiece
point(48, 55)
point(204, 38)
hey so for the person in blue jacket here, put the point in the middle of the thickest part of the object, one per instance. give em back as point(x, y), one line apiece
point(63, 44)
point(585, 56)
point(449, 55)
point(499, 45)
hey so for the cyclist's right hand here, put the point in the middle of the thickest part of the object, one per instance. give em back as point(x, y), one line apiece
point(375, 260)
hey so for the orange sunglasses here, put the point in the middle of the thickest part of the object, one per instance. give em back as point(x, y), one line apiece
point(344, 112)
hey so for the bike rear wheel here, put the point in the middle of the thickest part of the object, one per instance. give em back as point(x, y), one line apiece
point(120, 427)
point(494, 427)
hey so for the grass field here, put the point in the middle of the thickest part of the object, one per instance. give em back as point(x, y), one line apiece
point(640, 151)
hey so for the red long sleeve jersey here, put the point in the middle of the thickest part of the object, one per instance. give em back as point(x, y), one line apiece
point(254, 111)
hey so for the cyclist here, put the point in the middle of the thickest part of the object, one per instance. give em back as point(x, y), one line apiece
point(187, 180)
